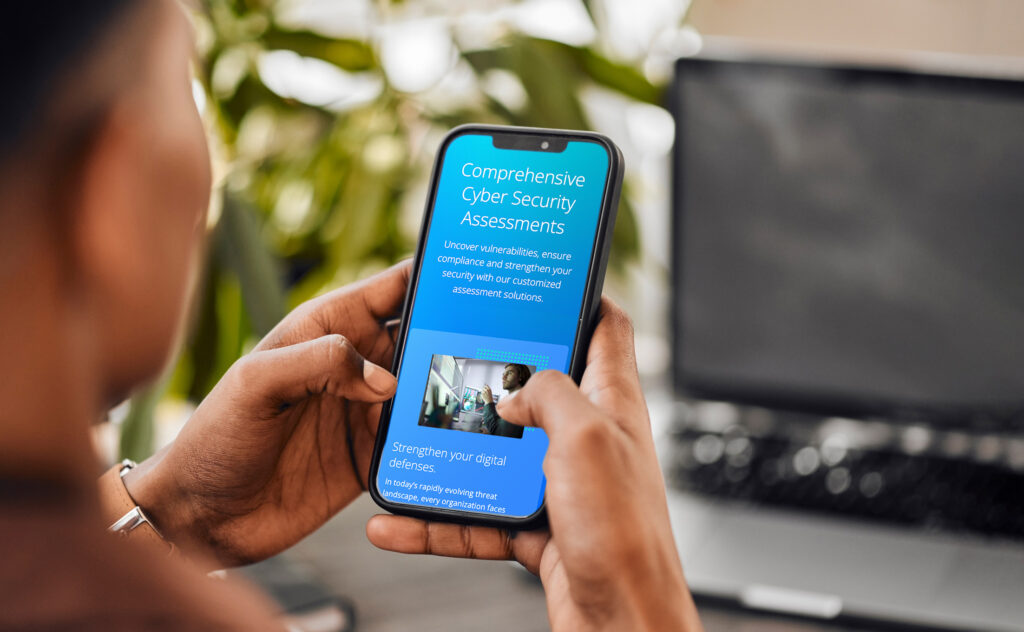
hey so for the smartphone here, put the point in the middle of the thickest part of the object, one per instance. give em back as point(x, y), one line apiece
point(506, 282)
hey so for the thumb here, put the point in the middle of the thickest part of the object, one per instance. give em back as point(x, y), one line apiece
point(329, 364)
point(549, 400)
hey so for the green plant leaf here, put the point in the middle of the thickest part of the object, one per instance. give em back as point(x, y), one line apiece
point(623, 79)
point(565, 67)
point(348, 54)
point(244, 252)
point(138, 429)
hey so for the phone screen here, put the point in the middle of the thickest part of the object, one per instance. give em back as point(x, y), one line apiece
point(498, 298)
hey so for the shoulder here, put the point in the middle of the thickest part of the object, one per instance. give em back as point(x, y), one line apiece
point(62, 572)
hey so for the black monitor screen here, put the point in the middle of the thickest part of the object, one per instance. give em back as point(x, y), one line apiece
point(849, 240)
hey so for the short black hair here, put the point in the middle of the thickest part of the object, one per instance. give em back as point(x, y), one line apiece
point(40, 42)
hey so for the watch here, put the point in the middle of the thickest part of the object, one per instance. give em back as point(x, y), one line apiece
point(116, 501)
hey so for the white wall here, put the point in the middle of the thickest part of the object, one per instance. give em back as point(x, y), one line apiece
point(480, 372)
point(972, 27)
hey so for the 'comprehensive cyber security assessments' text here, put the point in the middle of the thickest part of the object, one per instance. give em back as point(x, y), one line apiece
point(501, 189)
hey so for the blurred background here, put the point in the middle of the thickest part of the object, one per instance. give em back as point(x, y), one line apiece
point(324, 117)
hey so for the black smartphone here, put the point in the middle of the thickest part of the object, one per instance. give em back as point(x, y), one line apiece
point(506, 282)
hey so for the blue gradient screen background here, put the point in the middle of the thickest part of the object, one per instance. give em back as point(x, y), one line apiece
point(500, 329)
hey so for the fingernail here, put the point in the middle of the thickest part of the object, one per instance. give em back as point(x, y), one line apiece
point(379, 379)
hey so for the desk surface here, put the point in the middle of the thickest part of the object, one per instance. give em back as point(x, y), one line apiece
point(395, 592)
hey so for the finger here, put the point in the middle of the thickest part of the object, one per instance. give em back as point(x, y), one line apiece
point(409, 535)
point(329, 364)
point(613, 343)
point(367, 306)
point(550, 400)
point(611, 379)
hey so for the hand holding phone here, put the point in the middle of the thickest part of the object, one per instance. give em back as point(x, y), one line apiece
point(610, 561)
point(506, 282)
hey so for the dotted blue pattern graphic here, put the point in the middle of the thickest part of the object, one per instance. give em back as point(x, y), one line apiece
point(530, 359)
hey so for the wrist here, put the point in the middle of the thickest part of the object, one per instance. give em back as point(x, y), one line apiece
point(658, 598)
point(669, 607)
point(165, 503)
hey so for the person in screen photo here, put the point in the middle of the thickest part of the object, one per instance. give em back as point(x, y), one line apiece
point(513, 378)
point(458, 395)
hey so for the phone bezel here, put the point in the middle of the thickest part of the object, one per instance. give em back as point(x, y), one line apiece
point(585, 324)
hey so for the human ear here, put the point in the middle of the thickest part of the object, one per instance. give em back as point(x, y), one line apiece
point(117, 266)
point(104, 200)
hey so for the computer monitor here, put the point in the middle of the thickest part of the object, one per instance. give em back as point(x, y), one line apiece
point(849, 241)
point(469, 399)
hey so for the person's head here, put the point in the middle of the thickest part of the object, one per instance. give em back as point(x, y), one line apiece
point(104, 177)
point(515, 376)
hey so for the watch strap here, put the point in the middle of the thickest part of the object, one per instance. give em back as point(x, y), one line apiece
point(123, 514)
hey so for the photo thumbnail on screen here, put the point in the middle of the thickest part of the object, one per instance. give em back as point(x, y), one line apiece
point(461, 394)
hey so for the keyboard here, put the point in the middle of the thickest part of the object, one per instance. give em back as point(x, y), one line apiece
point(980, 491)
